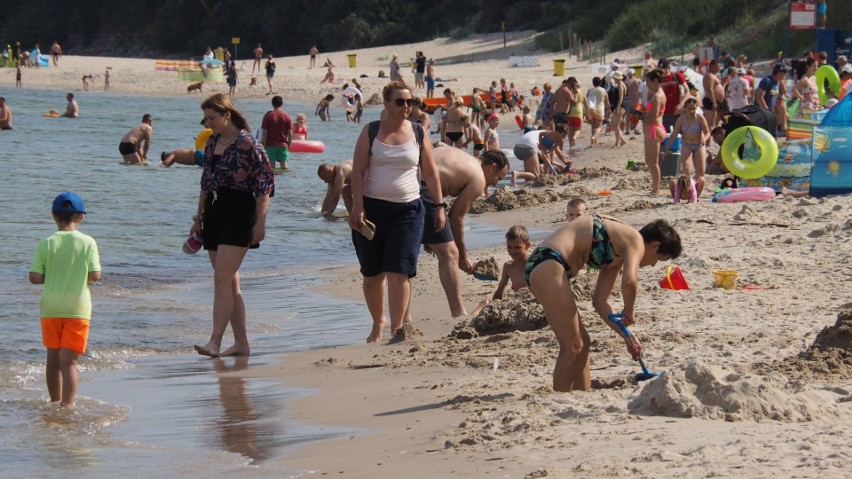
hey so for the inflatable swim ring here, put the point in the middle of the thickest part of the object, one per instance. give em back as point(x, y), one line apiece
point(823, 73)
point(347, 95)
point(759, 193)
point(745, 168)
point(307, 146)
point(201, 139)
point(53, 114)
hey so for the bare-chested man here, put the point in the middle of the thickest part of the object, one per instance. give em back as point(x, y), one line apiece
point(131, 147)
point(562, 99)
point(5, 115)
point(258, 56)
point(72, 110)
point(337, 179)
point(55, 52)
point(313, 52)
point(466, 178)
point(714, 95)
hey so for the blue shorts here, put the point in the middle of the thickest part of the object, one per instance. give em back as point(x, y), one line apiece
point(822, 8)
point(396, 244)
point(199, 157)
point(430, 83)
point(430, 236)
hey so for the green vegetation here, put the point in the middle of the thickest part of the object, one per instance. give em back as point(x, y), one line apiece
point(289, 27)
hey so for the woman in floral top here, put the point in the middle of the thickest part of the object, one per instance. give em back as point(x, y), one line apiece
point(236, 185)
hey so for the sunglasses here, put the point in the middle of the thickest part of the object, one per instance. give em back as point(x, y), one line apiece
point(400, 102)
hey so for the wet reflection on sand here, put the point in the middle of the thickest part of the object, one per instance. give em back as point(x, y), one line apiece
point(240, 424)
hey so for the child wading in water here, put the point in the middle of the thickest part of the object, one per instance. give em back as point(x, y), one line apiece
point(65, 262)
point(300, 129)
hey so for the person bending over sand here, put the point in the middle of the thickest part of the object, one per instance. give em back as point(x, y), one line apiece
point(337, 179)
point(612, 248)
point(131, 146)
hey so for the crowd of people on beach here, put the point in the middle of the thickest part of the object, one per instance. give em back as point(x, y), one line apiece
point(395, 186)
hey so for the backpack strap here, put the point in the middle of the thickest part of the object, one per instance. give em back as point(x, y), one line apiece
point(373, 131)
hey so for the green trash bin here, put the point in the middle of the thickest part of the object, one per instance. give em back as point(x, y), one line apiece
point(353, 60)
point(558, 67)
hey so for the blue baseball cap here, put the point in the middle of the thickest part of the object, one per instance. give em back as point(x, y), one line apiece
point(68, 202)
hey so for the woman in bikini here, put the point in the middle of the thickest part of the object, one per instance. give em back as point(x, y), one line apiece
point(419, 115)
point(652, 121)
point(696, 133)
point(806, 89)
point(612, 248)
point(453, 131)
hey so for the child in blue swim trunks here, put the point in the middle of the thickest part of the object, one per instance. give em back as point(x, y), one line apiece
point(611, 247)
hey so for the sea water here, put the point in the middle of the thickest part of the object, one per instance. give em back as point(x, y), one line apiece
point(146, 404)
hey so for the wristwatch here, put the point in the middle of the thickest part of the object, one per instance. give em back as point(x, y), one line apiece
point(443, 204)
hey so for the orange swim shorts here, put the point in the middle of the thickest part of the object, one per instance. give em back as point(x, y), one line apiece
point(68, 333)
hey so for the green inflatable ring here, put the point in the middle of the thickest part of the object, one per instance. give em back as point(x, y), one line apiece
point(744, 168)
point(823, 73)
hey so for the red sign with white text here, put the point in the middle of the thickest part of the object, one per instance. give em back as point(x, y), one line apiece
point(802, 16)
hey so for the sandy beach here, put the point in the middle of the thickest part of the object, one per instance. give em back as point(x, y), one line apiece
point(755, 381)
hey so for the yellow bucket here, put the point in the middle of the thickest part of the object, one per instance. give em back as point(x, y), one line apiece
point(725, 278)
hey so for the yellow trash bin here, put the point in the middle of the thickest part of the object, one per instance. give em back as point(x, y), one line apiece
point(558, 67)
point(353, 60)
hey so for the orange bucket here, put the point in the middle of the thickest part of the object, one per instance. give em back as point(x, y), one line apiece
point(674, 278)
point(725, 278)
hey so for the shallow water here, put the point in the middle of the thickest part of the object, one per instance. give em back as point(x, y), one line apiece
point(145, 402)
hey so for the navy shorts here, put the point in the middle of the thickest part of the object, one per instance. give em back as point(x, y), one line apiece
point(430, 236)
point(396, 244)
point(229, 217)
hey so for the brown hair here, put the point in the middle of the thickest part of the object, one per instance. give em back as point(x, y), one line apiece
point(387, 91)
point(518, 232)
point(220, 103)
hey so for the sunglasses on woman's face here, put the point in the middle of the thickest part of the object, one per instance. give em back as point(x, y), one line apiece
point(400, 102)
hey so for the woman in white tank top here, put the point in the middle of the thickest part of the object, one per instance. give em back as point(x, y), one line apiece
point(386, 192)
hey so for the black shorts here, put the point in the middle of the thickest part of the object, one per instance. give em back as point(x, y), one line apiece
point(560, 118)
point(707, 103)
point(454, 136)
point(126, 148)
point(229, 217)
point(396, 244)
point(430, 236)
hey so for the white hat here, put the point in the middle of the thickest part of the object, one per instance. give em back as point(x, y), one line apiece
point(846, 68)
point(614, 65)
point(631, 72)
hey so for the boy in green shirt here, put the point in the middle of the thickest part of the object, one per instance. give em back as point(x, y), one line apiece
point(65, 262)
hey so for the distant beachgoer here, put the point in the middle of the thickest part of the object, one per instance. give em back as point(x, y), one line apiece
point(71, 109)
point(86, 79)
point(430, 78)
point(18, 83)
point(453, 131)
point(695, 133)
point(713, 103)
point(617, 94)
point(270, 72)
point(597, 101)
point(634, 98)
point(182, 156)
point(544, 114)
point(576, 112)
point(277, 133)
point(575, 208)
point(131, 146)
point(208, 54)
point(770, 95)
point(337, 179)
point(65, 263)
point(300, 128)
point(55, 52)
point(5, 115)
point(313, 52)
point(674, 88)
point(822, 12)
point(419, 70)
point(737, 91)
point(472, 134)
point(650, 64)
point(324, 108)
point(655, 133)
point(258, 56)
point(106, 79)
point(492, 138)
point(232, 80)
point(476, 107)
point(611, 247)
point(236, 184)
point(806, 89)
point(395, 75)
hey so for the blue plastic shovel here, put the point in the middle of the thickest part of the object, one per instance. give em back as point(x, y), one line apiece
point(484, 277)
point(646, 374)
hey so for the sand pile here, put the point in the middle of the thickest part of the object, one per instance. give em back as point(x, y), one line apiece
point(487, 267)
point(828, 358)
point(519, 312)
point(505, 199)
point(708, 392)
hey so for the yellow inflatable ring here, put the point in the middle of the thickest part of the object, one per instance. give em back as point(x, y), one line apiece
point(749, 169)
point(201, 139)
point(823, 73)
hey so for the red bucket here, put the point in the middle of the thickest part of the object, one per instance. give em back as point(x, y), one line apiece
point(674, 278)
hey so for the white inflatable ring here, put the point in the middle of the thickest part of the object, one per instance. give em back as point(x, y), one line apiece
point(347, 94)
